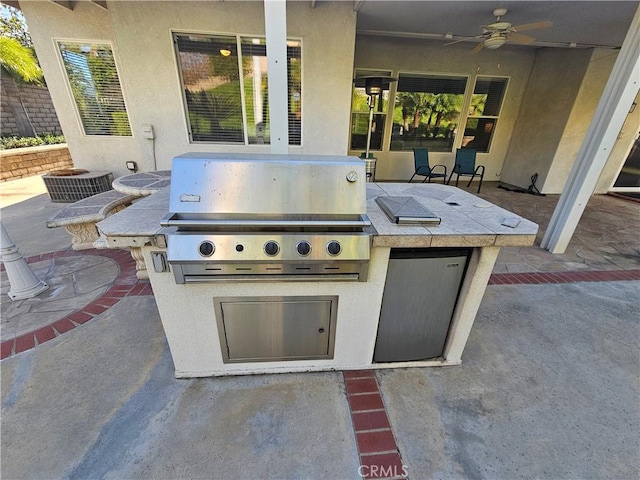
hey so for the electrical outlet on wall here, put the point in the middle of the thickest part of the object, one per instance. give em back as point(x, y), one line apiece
point(147, 131)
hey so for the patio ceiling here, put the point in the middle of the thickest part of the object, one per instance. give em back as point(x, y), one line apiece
point(585, 23)
point(68, 4)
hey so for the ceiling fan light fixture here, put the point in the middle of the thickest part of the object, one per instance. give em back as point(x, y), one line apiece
point(500, 12)
point(494, 41)
point(225, 52)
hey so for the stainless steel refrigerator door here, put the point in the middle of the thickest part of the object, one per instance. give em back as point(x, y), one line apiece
point(417, 306)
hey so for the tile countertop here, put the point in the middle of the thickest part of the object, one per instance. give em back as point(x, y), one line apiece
point(467, 220)
point(138, 224)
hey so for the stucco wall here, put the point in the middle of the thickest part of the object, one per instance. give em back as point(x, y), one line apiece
point(595, 78)
point(141, 35)
point(553, 87)
point(88, 21)
point(561, 97)
point(540, 98)
point(423, 56)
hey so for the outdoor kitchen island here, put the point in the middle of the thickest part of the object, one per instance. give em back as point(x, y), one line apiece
point(190, 312)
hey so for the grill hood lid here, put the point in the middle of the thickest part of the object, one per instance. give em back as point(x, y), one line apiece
point(248, 185)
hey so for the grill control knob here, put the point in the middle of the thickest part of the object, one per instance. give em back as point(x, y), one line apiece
point(271, 248)
point(334, 247)
point(303, 248)
point(206, 248)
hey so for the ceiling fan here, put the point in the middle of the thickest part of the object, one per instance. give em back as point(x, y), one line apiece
point(500, 32)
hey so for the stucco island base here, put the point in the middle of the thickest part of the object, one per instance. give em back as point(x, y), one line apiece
point(188, 313)
point(189, 319)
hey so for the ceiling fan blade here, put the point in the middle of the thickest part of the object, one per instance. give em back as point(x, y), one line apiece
point(518, 38)
point(478, 47)
point(532, 26)
point(464, 39)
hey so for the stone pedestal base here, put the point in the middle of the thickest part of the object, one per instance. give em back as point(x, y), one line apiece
point(24, 283)
point(141, 266)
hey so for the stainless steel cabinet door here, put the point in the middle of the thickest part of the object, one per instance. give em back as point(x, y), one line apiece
point(417, 305)
point(268, 329)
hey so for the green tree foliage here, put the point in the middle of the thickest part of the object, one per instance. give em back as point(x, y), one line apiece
point(226, 67)
point(414, 105)
point(478, 102)
point(429, 111)
point(18, 61)
point(19, 142)
point(17, 56)
point(12, 25)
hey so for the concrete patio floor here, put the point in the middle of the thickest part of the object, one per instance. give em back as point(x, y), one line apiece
point(549, 386)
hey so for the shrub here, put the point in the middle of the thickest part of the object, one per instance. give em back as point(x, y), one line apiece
point(19, 142)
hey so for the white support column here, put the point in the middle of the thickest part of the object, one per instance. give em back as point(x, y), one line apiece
point(275, 22)
point(618, 95)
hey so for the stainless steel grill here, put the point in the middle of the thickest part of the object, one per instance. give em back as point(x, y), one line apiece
point(267, 217)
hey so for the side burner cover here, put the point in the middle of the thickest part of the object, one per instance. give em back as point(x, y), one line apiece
point(406, 211)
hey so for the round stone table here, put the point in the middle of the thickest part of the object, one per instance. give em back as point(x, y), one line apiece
point(143, 183)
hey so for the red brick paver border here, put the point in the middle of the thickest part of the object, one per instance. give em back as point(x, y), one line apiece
point(531, 278)
point(379, 454)
point(126, 284)
point(377, 447)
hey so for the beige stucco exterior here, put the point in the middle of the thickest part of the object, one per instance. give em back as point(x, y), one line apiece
point(595, 78)
point(403, 55)
point(550, 95)
point(549, 103)
point(49, 22)
point(548, 106)
point(141, 36)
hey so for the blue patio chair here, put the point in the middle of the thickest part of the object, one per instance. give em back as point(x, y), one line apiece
point(421, 163)
point(465, 166)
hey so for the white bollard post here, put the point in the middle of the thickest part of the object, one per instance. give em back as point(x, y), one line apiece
point(24, 283)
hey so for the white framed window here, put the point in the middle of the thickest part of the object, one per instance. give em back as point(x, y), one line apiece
point(484, 111)
point(224, 81)
point(427, 111)
point(93, 79)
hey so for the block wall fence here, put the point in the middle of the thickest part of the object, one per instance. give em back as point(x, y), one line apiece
point(39, 107)
point(24, 162)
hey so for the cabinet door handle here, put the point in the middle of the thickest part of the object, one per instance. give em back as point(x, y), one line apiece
point(321, 330)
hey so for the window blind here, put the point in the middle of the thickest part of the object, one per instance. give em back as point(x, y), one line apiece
point(493, 91)
point(432, 84)
point(294, 79)
point(92, 75)
point(225, 82)
point(209, 72)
